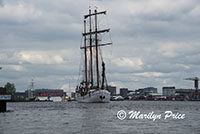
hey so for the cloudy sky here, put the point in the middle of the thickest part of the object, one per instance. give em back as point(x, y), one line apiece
point(155, 43)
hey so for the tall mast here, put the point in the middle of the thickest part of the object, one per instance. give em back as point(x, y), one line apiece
point(91, 68)
point(90, 34)
point(96, 43)
point(103, 75)
point(86, 83)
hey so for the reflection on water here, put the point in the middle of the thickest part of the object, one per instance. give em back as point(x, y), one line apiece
point(94, 118)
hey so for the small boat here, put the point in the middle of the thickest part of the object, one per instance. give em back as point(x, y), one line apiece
point(93, 87)
point(116, 98)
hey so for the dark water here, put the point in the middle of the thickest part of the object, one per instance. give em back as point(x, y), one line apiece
point(73, 117)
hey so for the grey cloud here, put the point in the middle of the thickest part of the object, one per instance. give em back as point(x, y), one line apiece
point(163, 34)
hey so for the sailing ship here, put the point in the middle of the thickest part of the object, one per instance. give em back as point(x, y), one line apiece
point(93, 87)
point(31, 97)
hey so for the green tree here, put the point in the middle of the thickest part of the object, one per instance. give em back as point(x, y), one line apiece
point(10, 89)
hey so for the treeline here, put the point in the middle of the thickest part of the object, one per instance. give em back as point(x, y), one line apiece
point(10, 89)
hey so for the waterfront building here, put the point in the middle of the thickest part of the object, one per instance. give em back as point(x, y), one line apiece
point(155, 96)
point(132, 95)
point(124, 92)
point(45, 93)
point(169, 91)
point(20, 95)
point(186, 94)
point(73, 95)
point(49, 92)
point(185, 91)
point(147, 90)
point(112, 90)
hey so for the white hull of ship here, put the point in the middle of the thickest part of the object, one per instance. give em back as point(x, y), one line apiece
point(94, 96)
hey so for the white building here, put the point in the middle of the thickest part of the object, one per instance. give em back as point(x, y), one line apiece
point(169, 91)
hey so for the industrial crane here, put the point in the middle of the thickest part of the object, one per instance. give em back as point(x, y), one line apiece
point(196, 83)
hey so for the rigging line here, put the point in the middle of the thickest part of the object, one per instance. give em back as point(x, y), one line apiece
point(80, 67)
point(108, 25)
point(110, 61)
point(88, 25)
point(98, 25)
point(99, 20)
point(101, 36)
point(101, 56)
point(104, 34)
